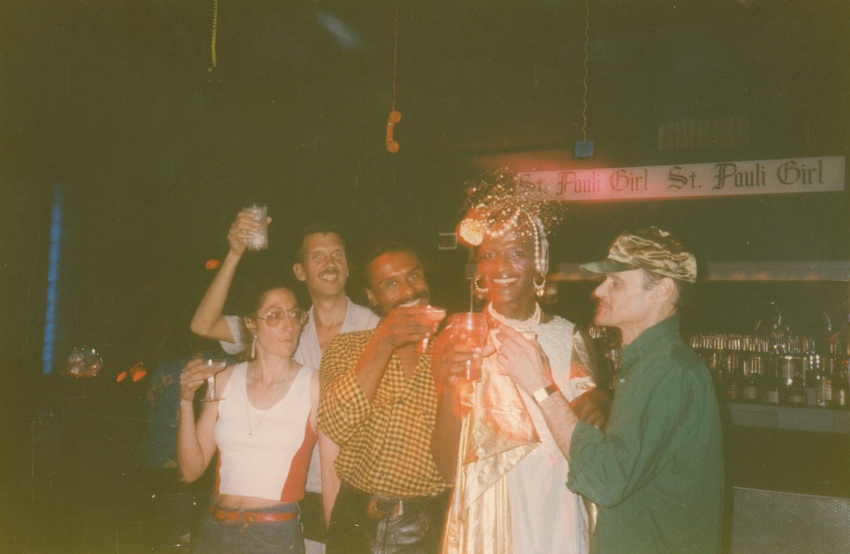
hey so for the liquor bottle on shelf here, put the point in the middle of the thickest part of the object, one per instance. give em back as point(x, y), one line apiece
point(734, 378)
point(797, 393)
point(788, 368)
point(714, 348)
point(838, 365)
point(841, 388)
point(772, 389)
point(823, 385)
point(751, 390)
point(811, 368)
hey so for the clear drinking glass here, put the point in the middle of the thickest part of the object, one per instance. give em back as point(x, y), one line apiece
point(216, 366)
point(473, 328)
point(260, 240)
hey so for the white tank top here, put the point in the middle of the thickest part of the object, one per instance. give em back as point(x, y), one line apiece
point(264, 453)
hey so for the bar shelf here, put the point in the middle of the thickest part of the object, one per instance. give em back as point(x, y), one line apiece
point(792, 418)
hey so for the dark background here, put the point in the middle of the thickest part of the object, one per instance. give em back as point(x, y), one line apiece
point(154, 153)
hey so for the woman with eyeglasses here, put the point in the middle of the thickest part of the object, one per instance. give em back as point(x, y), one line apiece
point(263, 426)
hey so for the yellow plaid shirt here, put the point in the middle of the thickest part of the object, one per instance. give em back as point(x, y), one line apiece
point(385, 445)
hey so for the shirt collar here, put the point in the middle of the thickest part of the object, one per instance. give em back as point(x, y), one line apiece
point(349, 316)
point(666, 327)
point(348, 304)
point(354, 317)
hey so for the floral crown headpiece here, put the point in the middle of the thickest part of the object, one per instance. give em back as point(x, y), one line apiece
point(498, 203)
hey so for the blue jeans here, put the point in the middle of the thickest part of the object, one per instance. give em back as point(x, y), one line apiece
point(226, 537)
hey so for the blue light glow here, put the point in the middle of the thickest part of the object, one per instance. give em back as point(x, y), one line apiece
point(52, 281)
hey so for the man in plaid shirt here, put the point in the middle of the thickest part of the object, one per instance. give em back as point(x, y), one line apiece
point(378, 402)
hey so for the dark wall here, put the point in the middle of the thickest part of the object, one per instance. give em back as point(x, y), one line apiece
point(155, 153)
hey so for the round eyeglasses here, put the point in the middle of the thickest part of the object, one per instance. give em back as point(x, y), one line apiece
point(296, 315)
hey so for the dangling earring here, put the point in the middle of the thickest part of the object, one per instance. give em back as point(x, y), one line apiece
point(480, 291)
point(254, 347)
point(539, 288)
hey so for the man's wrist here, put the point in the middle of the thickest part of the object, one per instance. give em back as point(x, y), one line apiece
point(541, 394)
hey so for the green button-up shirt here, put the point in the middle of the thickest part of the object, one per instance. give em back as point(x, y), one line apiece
point(657, 474)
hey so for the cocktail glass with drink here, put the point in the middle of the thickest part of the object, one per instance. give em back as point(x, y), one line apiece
point(436, 315)
point(216, 366)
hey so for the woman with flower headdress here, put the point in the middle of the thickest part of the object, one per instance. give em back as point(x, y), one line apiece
point(492, 440)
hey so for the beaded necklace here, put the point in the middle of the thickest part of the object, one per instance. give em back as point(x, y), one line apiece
point(520, 324)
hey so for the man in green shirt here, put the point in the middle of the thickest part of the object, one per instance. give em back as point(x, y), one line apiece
point(656, 472)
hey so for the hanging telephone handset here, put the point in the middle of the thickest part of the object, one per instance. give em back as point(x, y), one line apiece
point(392, 119)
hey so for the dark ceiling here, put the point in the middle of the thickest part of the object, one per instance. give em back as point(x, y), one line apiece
point(155, 153)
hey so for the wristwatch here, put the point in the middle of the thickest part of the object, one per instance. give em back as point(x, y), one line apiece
point(543, 393)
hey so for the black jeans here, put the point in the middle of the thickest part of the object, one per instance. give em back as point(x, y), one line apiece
point(312, 519)
point(366, 524)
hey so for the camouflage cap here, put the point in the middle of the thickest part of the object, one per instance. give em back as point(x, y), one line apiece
point(651, 249)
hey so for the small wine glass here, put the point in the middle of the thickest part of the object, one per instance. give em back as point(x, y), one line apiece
point(216, 366)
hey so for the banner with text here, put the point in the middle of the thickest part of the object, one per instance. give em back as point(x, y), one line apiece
point(786, 176)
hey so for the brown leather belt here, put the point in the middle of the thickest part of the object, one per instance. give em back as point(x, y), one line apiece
point(240, 516)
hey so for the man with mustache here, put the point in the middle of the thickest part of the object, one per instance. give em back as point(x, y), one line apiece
point(378, 402)
point(323, 267)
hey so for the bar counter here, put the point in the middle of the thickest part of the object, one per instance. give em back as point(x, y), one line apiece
point(790, 418)
point(788, 479)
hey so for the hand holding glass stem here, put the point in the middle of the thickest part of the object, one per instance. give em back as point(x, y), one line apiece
point(216, 366)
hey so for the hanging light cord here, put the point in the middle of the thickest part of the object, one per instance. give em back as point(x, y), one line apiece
point(214, 32)
point(395, 51)
point(584, 81)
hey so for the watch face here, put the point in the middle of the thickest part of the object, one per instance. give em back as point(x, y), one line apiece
point(542, 394)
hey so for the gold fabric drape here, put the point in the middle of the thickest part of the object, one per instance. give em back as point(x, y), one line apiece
point(496, 433)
